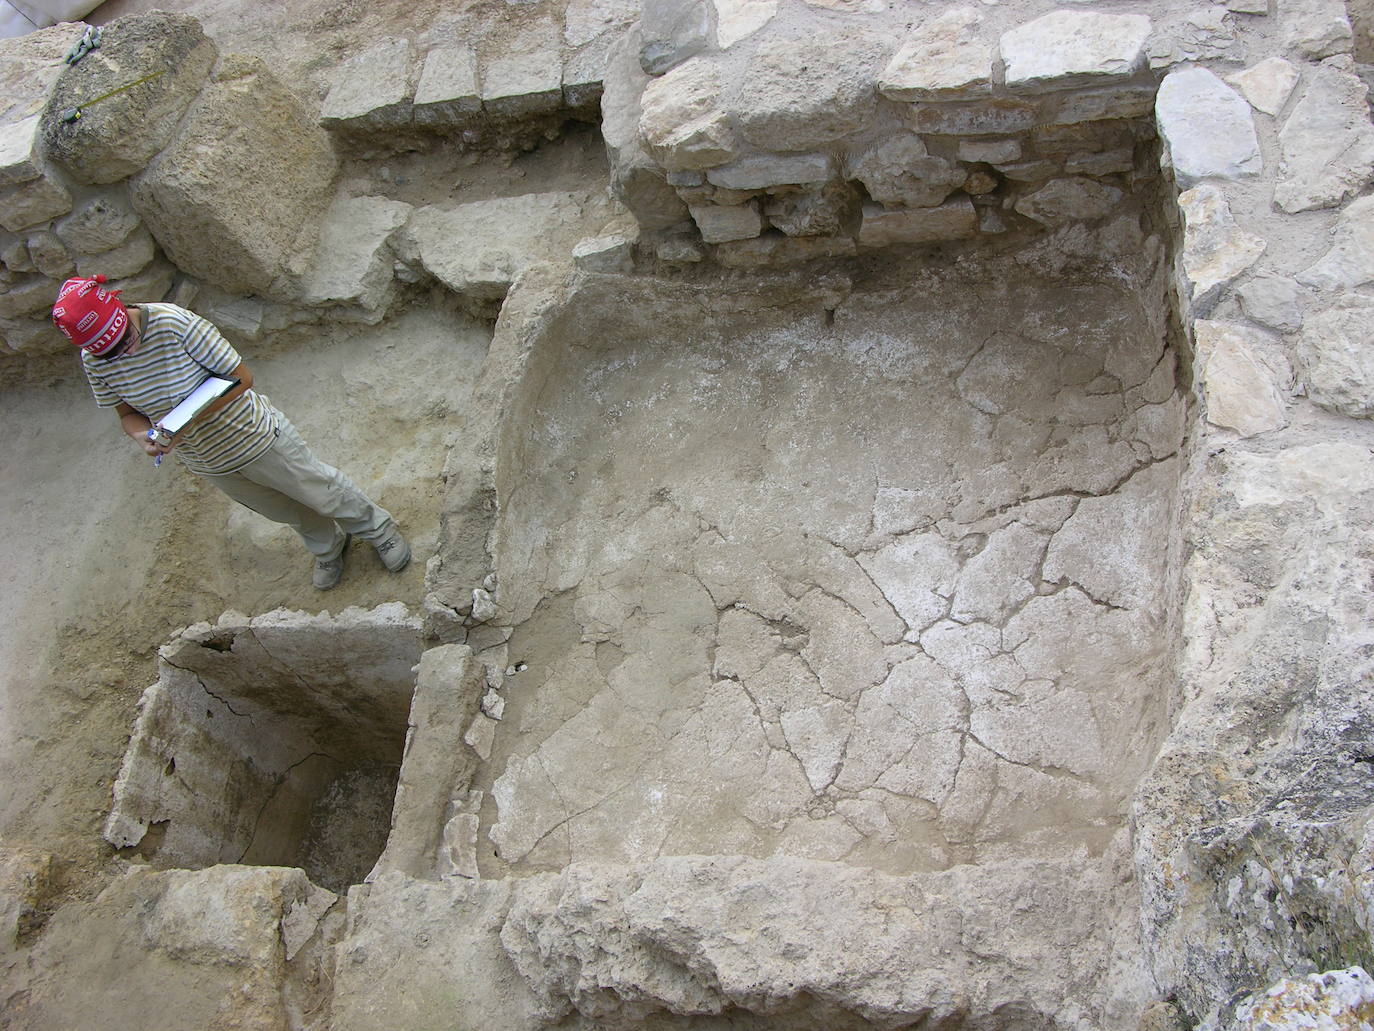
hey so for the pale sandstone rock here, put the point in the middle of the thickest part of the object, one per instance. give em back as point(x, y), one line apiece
point(1327, 144)
point(101, 223)
point(1207, 126)
point(353, 262)
point(900, 172)
point(682, 122)
point(719, 224)
point(1315, 28)
point(804, 93)
point(372, 90)
point(1101, 105)
point(460, 846)
point(739, 19)
point(955, 219)
point(1073, 48)
point(32, 203)
point(1273, 301)
point(671, 32)
point(1064, 200)
point(1104, 163)
point(1267, 85)
point(128, 259)
point(765, 170)
point(944, 58)
point(28, 296)
point(237, 199)
point(20, 160)
point(117, 137)
point(480, 735)
point(448, 90)
point(1350, 261)
point(1240, 392)
point(584, 74)
point(1215, 249)
point(1336, 358)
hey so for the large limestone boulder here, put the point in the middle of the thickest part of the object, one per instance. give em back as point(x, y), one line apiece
point(240, 194)
point(117, 136)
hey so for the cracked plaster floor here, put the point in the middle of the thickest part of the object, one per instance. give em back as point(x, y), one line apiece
point(887, 587)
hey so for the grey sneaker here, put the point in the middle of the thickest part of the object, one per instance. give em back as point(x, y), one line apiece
point(393, 550)
point(328, 571)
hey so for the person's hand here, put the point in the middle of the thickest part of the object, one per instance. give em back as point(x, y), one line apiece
point(154, 445)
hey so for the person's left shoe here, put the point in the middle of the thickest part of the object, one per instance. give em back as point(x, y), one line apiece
point(393, 551)
point(328, 571)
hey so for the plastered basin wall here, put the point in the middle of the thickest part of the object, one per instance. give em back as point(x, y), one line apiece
point(271, 741)
point(876, 575)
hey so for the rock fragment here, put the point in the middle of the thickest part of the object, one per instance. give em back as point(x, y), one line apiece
point(1336, 357)
point(1267, 85)
point(672, 31)
point(353, 263)
point(739, 19)
point(720, 223)
point(1327, 144)
point(1272, 301)
point(900, 172)
point(1066, 48)
point(19, 151)
point(943, 59)
point(1350, 260)
point(520, 84)
point(1207, 127)
point(952, 220)
point(681, 120)
point(448, 92)
point(764, 170)
point(372, 90)
point(1215, 249)
point(32, 203)
point(1240, 392)
point(1316, 28)
point(1070, 199)
point(804, 93)
point(99, 223)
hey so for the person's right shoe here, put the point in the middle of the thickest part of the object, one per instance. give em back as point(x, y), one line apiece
point(393, 550)
point(328, 571)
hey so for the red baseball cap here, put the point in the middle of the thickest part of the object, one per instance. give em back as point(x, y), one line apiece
point(91, 316)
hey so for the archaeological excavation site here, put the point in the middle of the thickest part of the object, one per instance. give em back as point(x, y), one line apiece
point(890, 490)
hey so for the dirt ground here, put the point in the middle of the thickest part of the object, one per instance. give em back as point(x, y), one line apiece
point(106, 555)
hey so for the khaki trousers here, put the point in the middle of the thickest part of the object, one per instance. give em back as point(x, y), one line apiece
point(288, 484)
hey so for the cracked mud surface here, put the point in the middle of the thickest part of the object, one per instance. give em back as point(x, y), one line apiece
point(887, 588)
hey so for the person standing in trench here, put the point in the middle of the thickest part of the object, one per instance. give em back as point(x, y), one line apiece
point(143, 360)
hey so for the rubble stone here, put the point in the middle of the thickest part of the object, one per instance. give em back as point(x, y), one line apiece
point(115, 138)
point(32, 203)
point(1336, 357)
point(609, 252)
point(28, 296)
point(1316, 28)
point(681, 120)
point(994, 152)
point(19, 154)
point(1215, 249)
point(518, 84)
point(776, 250)
point(128, 259)
point(671, 32)
point(952, 220)
point(740, 19)
point(803, 94)
point(448, 92)
point(721, 223)
point(900, 172)
point(244, 187)
point(1273, 301)
point(816, 211)
point(1327, 144)
point(1332, 999)
point(49, 256)
point(1068, 47)
point(1267, 85)
point(996, 117)
point(1240, 392)
point(765, 170)
point(1069, 199)
point(586, 20)
point(100, 223)
point(943, 59)
point(353, 262)
point(1350, 261)
point(637, 180)
point(372, 90)
point(1207, 127)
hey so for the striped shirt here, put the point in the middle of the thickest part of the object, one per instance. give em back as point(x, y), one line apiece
point(177, 351)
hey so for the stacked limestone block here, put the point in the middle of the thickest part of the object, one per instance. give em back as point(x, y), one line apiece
point(1253, 833)
point(500, 93)
point(787, 132)
point(150, 157)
